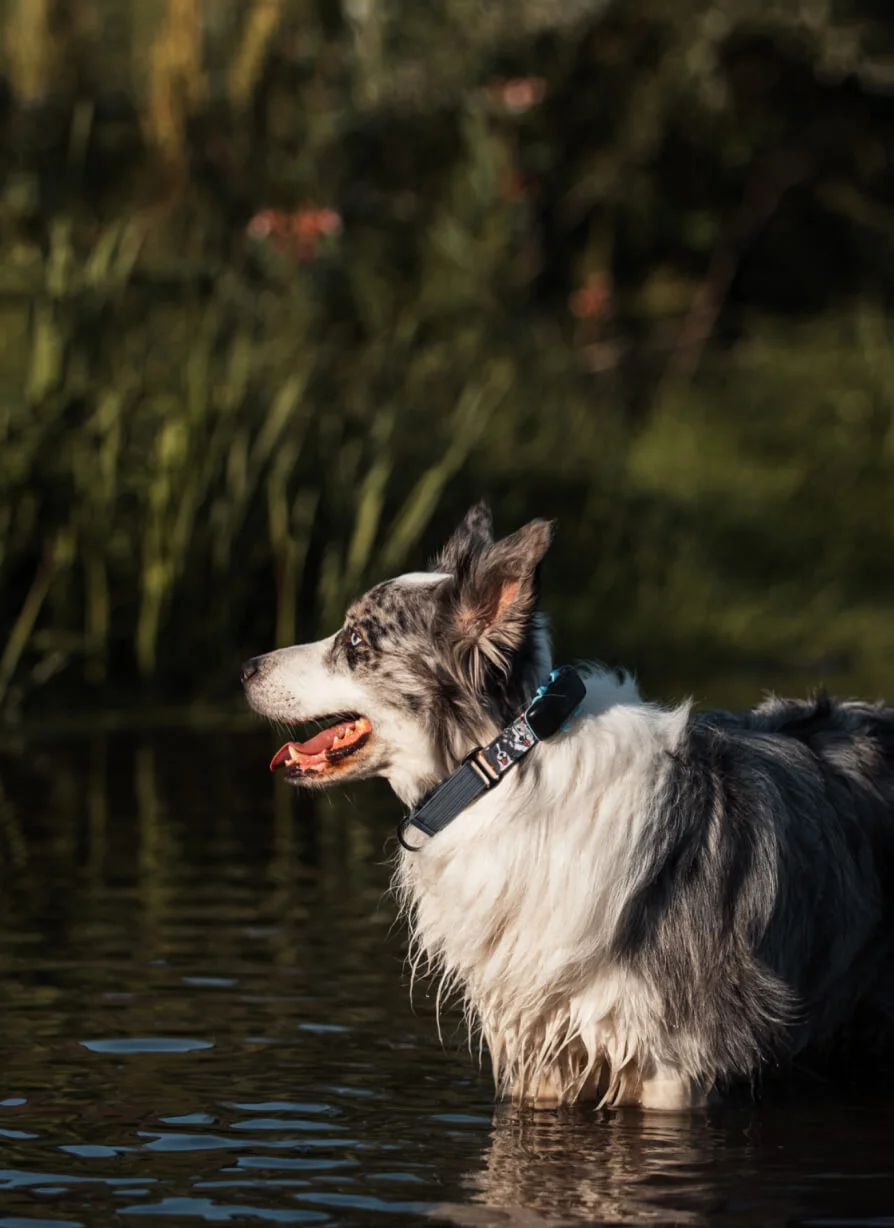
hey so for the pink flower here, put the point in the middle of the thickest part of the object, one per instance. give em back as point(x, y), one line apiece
point(593, 299)
point(298, 231)
point(329, 222)
point(518, 94)
point(262, 224)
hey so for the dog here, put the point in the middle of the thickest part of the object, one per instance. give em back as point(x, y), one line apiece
point(656, 901)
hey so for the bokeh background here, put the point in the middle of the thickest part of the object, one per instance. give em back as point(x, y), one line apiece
point(286, 284)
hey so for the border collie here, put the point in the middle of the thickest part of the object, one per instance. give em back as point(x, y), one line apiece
point(655, 901)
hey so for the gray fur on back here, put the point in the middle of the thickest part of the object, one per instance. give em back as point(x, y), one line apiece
point(761, 910)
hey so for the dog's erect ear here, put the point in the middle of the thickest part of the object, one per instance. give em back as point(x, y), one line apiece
point(479, 521)
point(474, 534)
point(495, 599)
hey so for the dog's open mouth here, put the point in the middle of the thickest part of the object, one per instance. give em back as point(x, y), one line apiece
point(325, 749)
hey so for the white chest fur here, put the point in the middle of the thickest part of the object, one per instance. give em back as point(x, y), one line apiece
point(514, 906)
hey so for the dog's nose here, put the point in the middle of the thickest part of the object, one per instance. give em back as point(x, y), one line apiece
point(250, 668)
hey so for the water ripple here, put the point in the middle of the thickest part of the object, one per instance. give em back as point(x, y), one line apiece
point(147, 1044)
point(214, 1212)
point(251, 1055)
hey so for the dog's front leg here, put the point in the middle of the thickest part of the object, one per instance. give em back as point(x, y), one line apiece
point(666, 1088)
point(546, 1092)
point(551, 1089)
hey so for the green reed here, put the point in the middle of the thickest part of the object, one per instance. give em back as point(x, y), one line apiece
point(189, 450)
point(209, 442)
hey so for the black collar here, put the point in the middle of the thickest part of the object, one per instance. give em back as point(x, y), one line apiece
point(551, 708)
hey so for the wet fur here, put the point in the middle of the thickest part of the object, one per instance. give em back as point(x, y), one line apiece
point(656, 902)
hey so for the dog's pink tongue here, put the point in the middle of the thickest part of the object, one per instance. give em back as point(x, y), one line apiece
point(284, 755)
point(320, 742)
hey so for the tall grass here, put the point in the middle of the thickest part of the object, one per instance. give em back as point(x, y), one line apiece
point(165, 461)
point(212, 436)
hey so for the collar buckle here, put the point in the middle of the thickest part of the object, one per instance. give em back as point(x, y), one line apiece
point(477, 761)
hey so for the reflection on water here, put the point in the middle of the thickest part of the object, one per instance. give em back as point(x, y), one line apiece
point(773, 1165)
point(204, 1017)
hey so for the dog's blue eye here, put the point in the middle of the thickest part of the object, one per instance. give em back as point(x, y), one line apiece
point(356, 639)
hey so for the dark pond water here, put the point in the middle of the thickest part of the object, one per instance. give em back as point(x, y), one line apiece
point(203, 1016)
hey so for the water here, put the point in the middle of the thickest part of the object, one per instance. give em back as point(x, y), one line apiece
point(204, 1017)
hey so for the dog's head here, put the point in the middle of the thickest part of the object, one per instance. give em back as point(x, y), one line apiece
point(424, 668)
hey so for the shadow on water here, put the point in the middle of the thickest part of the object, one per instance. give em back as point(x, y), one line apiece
point(205, 1018)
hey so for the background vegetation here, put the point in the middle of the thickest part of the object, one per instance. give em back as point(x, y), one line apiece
point(284, 284)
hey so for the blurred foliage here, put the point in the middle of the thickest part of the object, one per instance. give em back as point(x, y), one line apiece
point(284, 285)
